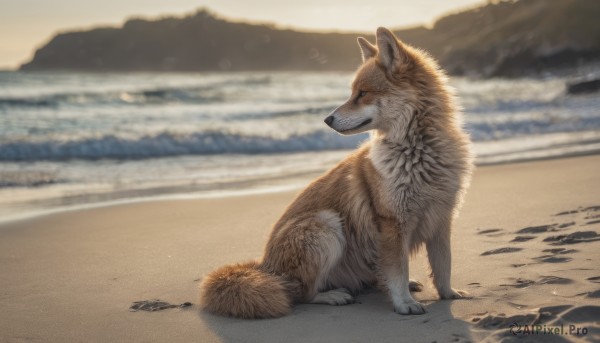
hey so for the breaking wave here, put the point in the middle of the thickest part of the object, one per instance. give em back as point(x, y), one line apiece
point(172, 144)
point(59, 117)
point(209, 92)
point(168, 143)
point(150, 97)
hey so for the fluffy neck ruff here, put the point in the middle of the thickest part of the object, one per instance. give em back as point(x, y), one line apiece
point(425, 144)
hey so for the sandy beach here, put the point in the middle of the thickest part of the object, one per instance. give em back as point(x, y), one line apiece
point(526, 247)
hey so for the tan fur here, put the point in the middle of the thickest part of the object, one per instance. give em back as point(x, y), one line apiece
point(234, 290)
point(357, 225)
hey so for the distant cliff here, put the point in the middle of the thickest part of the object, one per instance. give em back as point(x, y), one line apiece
point(508, 38)
point(516, 38)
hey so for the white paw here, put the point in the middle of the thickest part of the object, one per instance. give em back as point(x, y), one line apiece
point(454, 294)
point(409, 307)
point(338, 297)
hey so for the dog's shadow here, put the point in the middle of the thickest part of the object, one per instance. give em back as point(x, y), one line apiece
point(371, 319)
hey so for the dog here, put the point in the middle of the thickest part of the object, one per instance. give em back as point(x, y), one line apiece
point(357, 225)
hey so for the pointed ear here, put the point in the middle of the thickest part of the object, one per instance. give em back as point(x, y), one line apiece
point(368, 50)
point(392, 53)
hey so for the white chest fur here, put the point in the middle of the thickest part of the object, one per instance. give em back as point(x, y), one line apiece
point(410, 172)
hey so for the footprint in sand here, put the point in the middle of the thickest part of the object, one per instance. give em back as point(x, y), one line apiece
point(553, 258)
point(502, 322)
point(554, 280)
point(501, 251)
point(545, 280)
point(520, 283)
point(491, 232)
point(594, 279)
point(525, 234)
point(573, 238)
point(503, 326)
point(587, 209)
point(544, 228)
point(560, 251)
point(154, 305)
point(518, 239)
point(591, 213)
point(591, 209)
point(538, 229)
point(594, 294)
point(566, 212)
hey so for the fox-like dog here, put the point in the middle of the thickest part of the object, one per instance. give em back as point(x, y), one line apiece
point(357, 225)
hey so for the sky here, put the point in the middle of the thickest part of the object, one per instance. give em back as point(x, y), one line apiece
point(26, 25)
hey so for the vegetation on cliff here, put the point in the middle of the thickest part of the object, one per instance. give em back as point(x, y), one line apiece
point(506, 38)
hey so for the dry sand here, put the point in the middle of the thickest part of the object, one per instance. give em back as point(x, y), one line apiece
point(73, 276)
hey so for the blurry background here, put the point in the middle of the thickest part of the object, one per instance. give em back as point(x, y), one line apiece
point(180, 101)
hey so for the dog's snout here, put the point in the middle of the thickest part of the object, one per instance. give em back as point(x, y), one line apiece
point(329, 120)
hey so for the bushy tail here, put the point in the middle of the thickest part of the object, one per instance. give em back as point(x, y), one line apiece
point(245, 291)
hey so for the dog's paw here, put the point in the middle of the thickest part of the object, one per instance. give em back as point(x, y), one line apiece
point(415, 286)
point(409, 307)
point(454, 294)
point(337, 297)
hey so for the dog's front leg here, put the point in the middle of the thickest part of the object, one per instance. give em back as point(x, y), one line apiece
point(394, 255)
point(440, 260)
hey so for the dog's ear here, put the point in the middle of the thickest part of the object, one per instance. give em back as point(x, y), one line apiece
point(367, 49)
point(392, 54)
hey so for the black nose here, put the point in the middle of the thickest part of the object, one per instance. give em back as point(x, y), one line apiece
point(329, 120)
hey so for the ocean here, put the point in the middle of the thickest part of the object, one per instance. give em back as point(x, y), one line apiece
point(72, 140)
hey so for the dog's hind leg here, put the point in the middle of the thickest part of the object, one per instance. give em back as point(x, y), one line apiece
point(306, 250)
point(340, 296)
